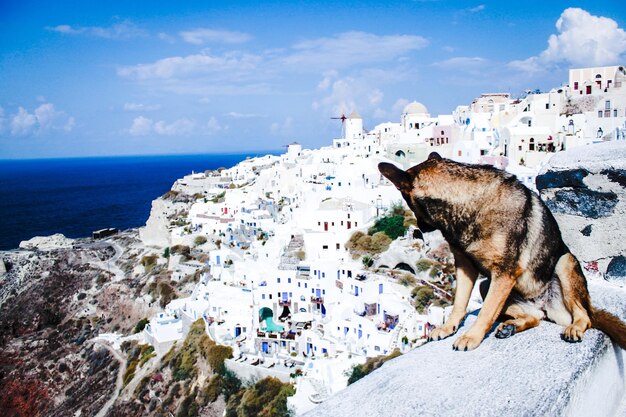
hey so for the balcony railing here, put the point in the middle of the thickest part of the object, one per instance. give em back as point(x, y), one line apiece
point(317, 300)
point(284, 303)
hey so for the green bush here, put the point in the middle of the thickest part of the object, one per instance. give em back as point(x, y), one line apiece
point(392, 226)
point(141, 324)
point(423, 265)
point(148, 262)
point(407, 280)
point(213, 388)
point(200, 240)
point(167, 293)
point(217, 355)
point(422, 295)
point(181, 249)
point(359, 371)
point(266, 398)
point(359, 242)
point(231, 385)
point(130, 372)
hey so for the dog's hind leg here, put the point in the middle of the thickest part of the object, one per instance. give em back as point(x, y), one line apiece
point(523, 316)
point(575, 297)
point(466, 274)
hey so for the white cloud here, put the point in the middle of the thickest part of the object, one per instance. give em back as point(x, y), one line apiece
point(237, 115)
point(143, 126)
point(201, 36)
point(476, 9)
point(282, 128)
point(23, 122)
point(122, 30)
point(207, 73)
point(141, 107)
point(69, 125)
point(178, 127)
point(214, 126)
point(394, 113)
point(351, 48)
point(166, 37)
point(462, 63)
point(191, 65)
point(360, 92)
point(583, 40)
point(45, 117)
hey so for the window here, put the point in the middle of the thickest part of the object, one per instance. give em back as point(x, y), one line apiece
point(547, 106)
point(319, 223)
point(323, 274)
point(599, 113)
point(607, 105)
point(575, 85)
point(325, 247)
point(338, 246)
point(270, 296)
point(305, 285)
point(289, 280)
point(278, 280)
point(299, 284)
point(262, 297)
point(460, 153)
point(614, 112)
point(355, 224)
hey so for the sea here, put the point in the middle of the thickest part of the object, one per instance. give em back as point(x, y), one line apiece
point(75, 196)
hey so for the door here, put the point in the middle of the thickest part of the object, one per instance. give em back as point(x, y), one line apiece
point(349, 225)
point(265, 347)
point(326, 226)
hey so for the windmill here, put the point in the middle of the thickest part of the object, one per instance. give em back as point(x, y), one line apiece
point(343, 124)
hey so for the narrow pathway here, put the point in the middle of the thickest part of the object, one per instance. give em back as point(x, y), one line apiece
point(120, 378)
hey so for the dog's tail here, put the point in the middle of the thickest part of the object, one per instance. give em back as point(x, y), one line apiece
point(610, 325)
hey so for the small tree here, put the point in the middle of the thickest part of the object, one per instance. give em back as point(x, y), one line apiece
point(367, 261)
point(166, 253)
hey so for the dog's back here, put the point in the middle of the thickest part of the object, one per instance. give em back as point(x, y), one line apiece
point(486, 213)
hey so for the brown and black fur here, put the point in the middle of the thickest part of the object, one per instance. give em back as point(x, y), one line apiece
point(498, 227)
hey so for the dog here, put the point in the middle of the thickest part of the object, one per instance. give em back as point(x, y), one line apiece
point(497, 227)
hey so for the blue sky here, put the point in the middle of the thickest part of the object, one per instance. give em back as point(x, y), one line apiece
point(84, 78)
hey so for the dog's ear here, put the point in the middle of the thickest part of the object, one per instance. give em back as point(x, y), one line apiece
point(434, 155)
point(401, 179)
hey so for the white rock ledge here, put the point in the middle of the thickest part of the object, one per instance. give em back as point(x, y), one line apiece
point(533, 373)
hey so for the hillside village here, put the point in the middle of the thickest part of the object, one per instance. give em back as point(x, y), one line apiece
point(271, 285)
point(285, 282)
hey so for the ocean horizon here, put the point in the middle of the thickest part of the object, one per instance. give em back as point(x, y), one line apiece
point(75, 196)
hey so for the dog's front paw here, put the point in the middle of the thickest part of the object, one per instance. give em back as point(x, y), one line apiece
point(467, 342)
point(442, 332)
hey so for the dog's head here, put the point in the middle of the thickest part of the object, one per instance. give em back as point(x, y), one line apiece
point(405, 180)
point(408, 183)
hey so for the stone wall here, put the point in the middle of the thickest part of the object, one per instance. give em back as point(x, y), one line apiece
point(585, 188)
